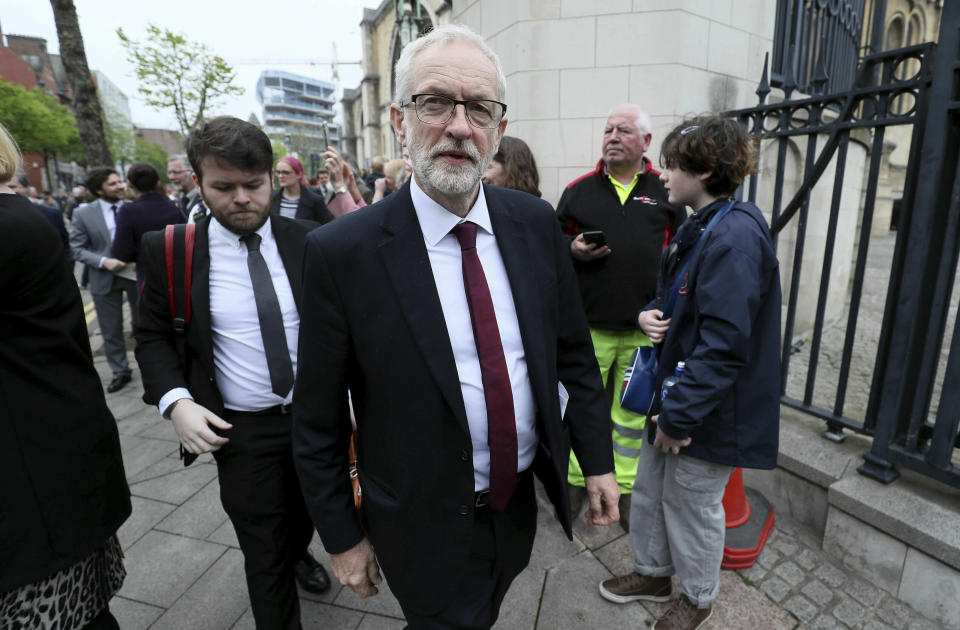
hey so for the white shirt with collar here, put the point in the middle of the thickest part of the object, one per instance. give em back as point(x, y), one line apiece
point(443, 249)
point(106, 208)
point(243, 377)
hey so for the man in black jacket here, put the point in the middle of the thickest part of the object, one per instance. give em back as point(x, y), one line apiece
point(624, 199)
point(231, 393)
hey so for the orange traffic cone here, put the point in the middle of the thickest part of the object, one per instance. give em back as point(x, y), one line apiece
point(749, 518)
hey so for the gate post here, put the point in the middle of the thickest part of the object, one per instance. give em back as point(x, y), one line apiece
point(923, 264)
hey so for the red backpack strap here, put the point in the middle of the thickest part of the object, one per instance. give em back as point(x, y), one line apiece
point(178, 247)
point(189, 237)
point(168, 234)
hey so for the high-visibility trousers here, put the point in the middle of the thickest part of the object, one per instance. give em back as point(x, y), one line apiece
point(614, 349)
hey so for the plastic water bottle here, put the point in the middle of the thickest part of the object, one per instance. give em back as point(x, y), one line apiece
point(671, 381)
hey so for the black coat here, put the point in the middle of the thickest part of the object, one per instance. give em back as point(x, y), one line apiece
point(162, 369)
point(150, 212)
point(62, 486)
point(726, 327)
point(372, 320)
point(310, 207)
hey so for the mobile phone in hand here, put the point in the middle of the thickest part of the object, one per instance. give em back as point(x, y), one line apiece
point(595, 237)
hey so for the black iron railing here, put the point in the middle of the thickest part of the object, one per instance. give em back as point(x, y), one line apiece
point(817, 44)
point(889, 88)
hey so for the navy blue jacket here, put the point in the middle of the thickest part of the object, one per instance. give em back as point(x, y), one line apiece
point(55, 217)
point(149, 212)
point(726, 327)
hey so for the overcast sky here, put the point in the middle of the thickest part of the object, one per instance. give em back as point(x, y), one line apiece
point(238, 30)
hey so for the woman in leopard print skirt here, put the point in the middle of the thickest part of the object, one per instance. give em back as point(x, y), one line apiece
point(63, 492)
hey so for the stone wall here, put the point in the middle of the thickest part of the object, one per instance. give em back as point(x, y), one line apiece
point(568, 62)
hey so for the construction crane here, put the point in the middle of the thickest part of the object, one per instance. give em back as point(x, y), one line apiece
point(333, 62)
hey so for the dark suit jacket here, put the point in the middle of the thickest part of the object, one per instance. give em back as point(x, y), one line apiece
point(150, 212)
point(55, 217)
point(372, 320)
point(310, 207)
point(161, 368)
point(62, 486)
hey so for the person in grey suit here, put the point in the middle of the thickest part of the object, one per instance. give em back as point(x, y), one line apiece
point(91, 237)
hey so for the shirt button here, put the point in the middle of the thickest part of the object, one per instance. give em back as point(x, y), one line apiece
point(464, 456)
point(464, 510)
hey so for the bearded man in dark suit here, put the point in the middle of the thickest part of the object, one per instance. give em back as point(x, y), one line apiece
point(451, 312)
point(227, 383)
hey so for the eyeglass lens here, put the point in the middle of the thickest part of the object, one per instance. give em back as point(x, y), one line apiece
point(437, 109)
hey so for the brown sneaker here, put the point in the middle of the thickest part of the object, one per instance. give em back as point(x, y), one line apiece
point(633, 586)
point(683, 615)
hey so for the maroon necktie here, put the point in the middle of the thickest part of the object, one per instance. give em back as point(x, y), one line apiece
point(497, 391)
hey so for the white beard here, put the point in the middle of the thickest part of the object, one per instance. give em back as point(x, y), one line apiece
point(444, 178)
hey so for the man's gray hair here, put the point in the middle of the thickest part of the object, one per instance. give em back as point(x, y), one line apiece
point(642, 119)
point(183, 160)
point(22, 178)
point(446, 34)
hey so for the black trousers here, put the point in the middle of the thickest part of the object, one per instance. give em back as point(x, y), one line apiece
point(500, 550)
point(261, 494)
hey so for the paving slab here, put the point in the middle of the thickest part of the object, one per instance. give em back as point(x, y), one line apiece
point(551, 545)
point(315, 615)
point(199, 517)
point(376, 622)
point(616, 556)
point(140, 453)
point(522, 602)
point(568, 602)
point(161, 567)
point(226, 535)
point(133, 615)
point(161, 467)
point(136, 422)
point(146, 513)
point(159, 428)
point(176, 487)
point(213, 602)
point(126, 406)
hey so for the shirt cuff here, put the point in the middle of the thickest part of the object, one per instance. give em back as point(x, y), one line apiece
point(100, 264)
point(171, 397)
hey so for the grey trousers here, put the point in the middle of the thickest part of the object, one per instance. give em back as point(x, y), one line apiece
point(110, 319)
point(677, 523)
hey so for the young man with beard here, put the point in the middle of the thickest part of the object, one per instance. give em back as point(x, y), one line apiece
point(91, 236)
point(230, 391)
point(450, 310)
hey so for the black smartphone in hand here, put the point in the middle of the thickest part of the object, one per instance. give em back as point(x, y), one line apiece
point(595, 237)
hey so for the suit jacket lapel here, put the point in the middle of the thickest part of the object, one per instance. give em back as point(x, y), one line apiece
point(200, 294)
point(291, 252)
point(98, 224)
point(405, 260)
point(515, 251)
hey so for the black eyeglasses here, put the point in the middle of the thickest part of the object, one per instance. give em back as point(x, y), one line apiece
point(436, 109)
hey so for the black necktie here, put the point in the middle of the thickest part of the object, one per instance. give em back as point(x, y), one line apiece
point(271, 319)
point(113, 209)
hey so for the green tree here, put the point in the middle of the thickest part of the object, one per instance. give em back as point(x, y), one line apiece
point(37, 121)
point(86, 105)
point(180, 76)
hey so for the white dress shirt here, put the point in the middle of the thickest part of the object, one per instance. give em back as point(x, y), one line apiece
point(242, 374)
point(443, 249)
point(110, 219)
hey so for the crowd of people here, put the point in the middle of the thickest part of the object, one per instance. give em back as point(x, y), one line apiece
point(459, 333)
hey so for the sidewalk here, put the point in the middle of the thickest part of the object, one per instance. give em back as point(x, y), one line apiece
point(185, 570)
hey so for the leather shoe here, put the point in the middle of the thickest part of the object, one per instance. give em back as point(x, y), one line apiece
point(311, 576)
point(119, 382)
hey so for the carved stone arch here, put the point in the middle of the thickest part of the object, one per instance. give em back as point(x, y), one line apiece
point(916, 31)
point(896, 32)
